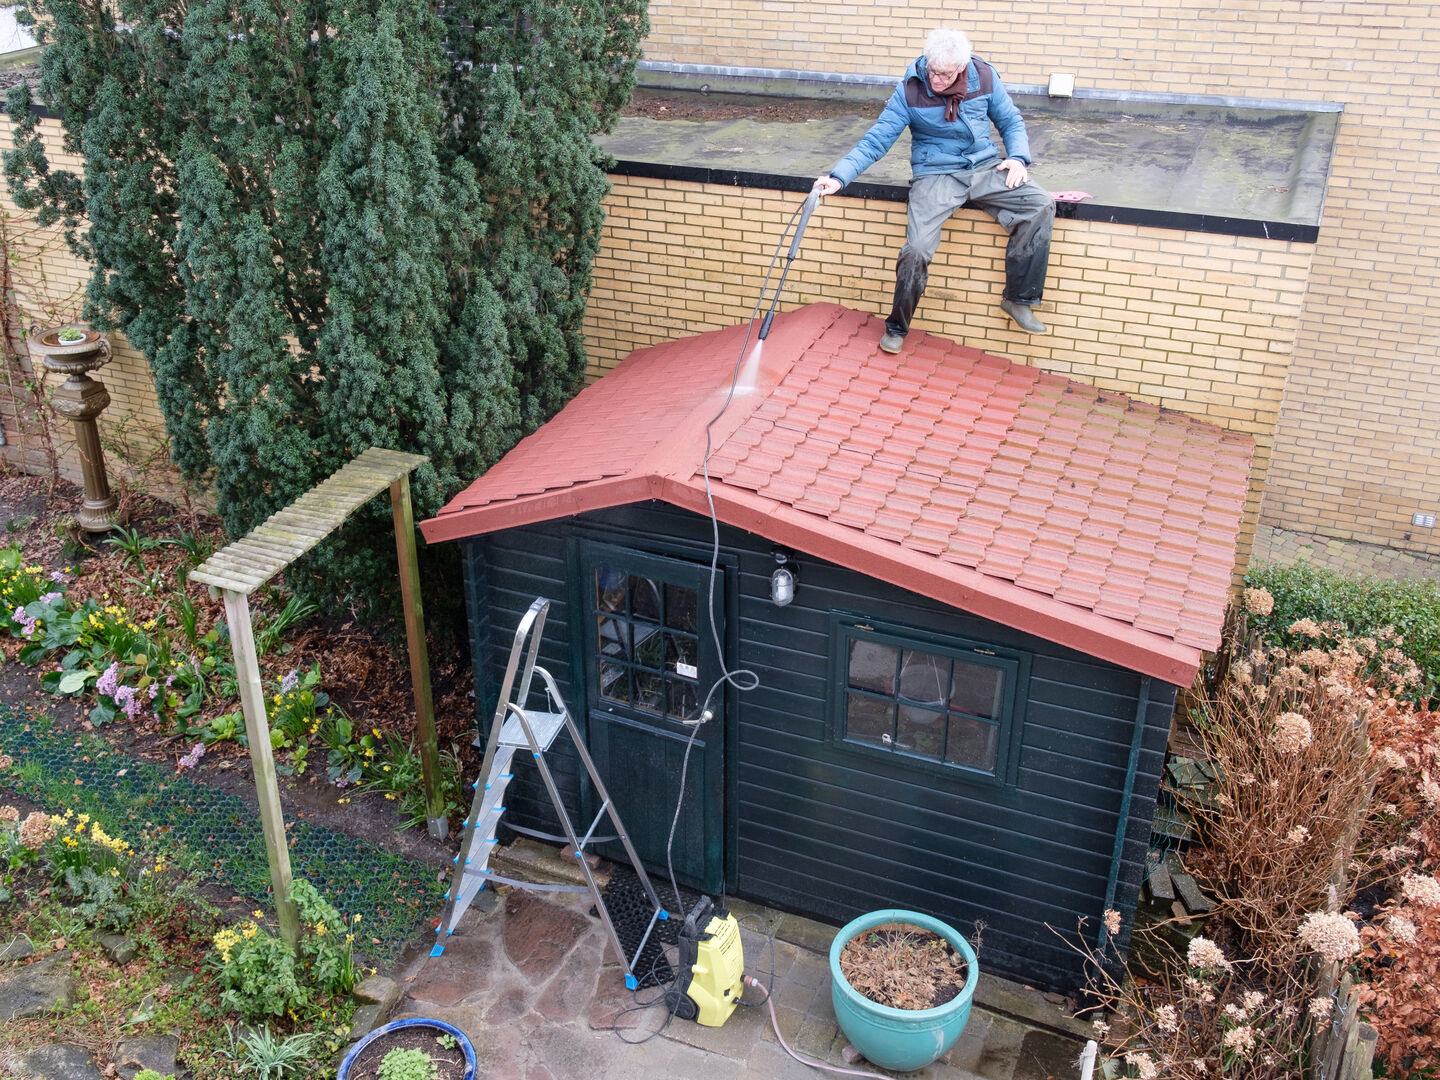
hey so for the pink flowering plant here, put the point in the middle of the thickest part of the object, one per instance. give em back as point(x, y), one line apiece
point(32, 599)
point(129, 667)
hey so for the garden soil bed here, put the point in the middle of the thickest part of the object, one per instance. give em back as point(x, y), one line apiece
point(365, 675)
point(903, 966)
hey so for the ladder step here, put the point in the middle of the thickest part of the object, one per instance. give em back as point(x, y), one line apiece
point(544, 726)
point(514, 729)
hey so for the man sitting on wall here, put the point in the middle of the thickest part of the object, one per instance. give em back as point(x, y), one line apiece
point(948, 98)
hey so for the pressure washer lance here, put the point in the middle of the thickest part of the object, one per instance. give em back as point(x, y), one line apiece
point(807, 208)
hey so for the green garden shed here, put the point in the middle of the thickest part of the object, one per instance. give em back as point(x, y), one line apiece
point(968, 590)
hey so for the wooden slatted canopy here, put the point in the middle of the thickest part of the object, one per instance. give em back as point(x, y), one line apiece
point(242, 567)
point(287, 534)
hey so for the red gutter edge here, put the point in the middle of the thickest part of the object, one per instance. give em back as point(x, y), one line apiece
point(562, 502)
point(990, 598)
point(1000, 601)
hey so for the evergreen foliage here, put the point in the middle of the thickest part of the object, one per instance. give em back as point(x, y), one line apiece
point(1363, 605)
point(332, 227)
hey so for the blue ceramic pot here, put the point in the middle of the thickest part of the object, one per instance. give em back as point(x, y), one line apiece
point(438, 1026)
point(900, 1039)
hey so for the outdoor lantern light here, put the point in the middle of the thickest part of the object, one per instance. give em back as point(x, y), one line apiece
point(782, 582)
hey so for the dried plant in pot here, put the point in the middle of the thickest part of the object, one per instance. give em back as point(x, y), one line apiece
point(905, 1003)
point(416, 1048)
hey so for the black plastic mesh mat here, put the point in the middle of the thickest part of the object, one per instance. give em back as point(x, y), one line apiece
point(145, 804)
point(630, 911)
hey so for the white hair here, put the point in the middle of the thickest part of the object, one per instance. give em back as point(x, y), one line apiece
point(947, 47)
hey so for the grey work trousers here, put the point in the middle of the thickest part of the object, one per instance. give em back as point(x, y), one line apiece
point(1026, 212)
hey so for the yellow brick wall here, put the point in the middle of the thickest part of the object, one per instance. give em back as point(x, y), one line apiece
point(1200, 323)
point(49, 288)
point(1358, 435)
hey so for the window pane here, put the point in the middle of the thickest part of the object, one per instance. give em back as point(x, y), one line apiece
point(648, 691)
point(972, 742)
point(680, 649)
point(648, 646)
point(683, 704)
point(920, 731)
point(977, 689)
point(868, 719)
point(680, 608)
point(872, 666)
point(609, 590)
point(613, 637)
point(923, 678)
point(614, 682)
point(645, 598)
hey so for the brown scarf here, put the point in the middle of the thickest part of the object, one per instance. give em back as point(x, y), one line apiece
point(954, 93)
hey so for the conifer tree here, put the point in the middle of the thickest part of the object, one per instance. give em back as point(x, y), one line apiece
point(334, 227)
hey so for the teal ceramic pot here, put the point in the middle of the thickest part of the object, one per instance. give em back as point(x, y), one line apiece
point(900, 1039)
point(439, 1027)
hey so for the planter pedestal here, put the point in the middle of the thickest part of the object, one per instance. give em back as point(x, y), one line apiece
point(81, 399)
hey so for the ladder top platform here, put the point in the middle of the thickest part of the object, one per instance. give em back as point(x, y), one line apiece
point(287, 534)
point(543, 725)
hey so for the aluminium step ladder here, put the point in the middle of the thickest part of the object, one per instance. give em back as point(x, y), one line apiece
point(513, 729)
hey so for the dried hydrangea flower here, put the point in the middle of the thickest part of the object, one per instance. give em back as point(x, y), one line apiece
point(1401, 929)
point(35, 830)
point(1330, 934)
point(1204, 955)
point(1240, 1039)
point(1305, 627)
point(1322, 1007)
point(1167, 1020)
point(1143, 1064)
point(1298, 835)
point(9, 815)
point(1422, 890)
point(1430, 792)
point(1259, 601)
point(1112, 921)
point(1292, 733)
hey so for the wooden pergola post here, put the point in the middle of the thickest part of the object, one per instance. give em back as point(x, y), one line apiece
point(257, 729)
point(435, 823)
point(240, 568)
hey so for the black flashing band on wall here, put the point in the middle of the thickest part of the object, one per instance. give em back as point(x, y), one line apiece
point(1070, 211)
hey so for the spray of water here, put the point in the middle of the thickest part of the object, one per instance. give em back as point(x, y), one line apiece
point(750, 373)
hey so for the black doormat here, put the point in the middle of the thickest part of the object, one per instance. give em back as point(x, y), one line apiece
point(630, 910)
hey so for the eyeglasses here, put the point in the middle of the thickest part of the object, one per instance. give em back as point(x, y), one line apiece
point(943, 75)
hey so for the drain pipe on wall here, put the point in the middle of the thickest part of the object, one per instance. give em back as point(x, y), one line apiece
point(1123, 826)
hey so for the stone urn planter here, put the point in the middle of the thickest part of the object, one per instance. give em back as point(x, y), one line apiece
point(447, 1047)
point(81, 399)
point(900, 1039)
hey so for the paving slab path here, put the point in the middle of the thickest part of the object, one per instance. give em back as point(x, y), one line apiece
point(533, 983)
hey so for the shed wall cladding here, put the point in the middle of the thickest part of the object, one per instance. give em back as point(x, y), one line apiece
point(831, 831)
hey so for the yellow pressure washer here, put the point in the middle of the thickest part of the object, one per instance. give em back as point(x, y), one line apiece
point(708, 984)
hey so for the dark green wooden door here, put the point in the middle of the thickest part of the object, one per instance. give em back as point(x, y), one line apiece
point(649, 659)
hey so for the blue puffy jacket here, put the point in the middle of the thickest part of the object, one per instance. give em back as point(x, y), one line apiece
point(935, 146)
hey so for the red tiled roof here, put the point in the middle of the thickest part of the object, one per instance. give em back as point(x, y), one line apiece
point(1081, 516)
